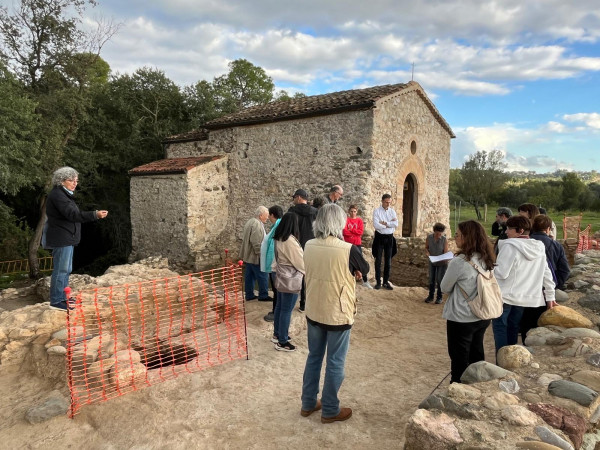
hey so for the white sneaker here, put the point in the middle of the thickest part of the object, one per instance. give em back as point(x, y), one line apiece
point(367, 285)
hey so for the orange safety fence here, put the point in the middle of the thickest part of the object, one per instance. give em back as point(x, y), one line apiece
point(22, 265)
point(125, 338)
point(586, 242)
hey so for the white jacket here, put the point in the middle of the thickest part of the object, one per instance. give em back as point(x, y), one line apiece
point(522, 271)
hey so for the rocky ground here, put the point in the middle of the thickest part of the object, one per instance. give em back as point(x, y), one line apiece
point(397, 362)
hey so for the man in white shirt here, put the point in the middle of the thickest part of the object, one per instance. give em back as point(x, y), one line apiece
point(385, 222)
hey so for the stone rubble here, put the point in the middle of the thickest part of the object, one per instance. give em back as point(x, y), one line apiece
point(540, 396)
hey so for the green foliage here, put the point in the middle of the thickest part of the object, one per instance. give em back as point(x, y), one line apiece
point(481, 176)
point(19, 143)
point(243, 86)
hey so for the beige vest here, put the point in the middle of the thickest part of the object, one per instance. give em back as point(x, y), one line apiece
point(330, 287)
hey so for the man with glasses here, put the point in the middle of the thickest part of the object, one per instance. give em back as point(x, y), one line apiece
point(335, 193)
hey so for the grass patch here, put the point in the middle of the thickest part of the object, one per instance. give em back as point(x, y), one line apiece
point(467, 212)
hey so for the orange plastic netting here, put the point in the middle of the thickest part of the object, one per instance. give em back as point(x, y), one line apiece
point(124, 338)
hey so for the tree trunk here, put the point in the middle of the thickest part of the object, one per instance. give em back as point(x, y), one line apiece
point(476, 205)
point(34, 242)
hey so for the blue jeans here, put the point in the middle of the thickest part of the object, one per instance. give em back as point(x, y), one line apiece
point(63, 265)
point(283, 315)
point(506, 327)
point(336, 343)
point(436, 274)
point(252, 274)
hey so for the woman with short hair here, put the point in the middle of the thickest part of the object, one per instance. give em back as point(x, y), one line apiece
point(332, 267)
point(464, 330)
point(63, 231)
point(353, 232)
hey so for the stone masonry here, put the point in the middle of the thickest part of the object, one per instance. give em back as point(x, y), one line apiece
point(367, 140)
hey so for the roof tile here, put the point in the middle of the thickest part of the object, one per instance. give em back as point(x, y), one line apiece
point(172, 165)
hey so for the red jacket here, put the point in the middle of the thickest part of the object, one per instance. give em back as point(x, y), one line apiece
point(354, 230)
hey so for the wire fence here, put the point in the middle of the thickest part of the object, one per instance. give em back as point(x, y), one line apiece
point(125, 338)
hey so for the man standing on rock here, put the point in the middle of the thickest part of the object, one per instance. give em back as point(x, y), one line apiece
point(385, 222)
point(254, 233)
point(63, 231)
point(306, 216)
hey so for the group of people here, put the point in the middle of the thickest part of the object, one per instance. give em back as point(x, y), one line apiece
point(320, 244)
point(530, 267)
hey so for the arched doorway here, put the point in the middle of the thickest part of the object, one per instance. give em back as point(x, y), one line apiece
point(409, 202)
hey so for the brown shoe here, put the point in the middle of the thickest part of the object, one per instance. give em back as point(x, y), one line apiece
point(345, 414)
point(305, 413)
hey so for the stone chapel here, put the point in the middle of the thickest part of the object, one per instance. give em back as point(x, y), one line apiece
point(193, 204)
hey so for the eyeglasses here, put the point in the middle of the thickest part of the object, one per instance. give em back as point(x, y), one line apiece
point(73, 181)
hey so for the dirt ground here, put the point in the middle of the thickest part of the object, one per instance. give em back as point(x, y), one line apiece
point(397, 357)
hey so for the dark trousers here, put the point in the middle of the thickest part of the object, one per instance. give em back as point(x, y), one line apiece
point(465, 345)
point(303, 295)
point(272, 279)
point(384, 249)
point(436, 273)
point(529, 320)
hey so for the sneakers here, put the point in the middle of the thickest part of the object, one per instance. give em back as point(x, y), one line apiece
point(251, 298)
point(438, 301)
point(266, 299)
point(367, 285)
point(306, 413)
point(287, 347)
point(270, 317)
point(345, 414)
point(378, 286)
point(275, 339)
point(62, 306)
point(428, 300)
point(387, 286)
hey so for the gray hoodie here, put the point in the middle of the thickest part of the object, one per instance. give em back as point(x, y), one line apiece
point(522, 271)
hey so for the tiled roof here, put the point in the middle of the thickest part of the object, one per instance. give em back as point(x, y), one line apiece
point(172, 165)
point(315, 105)
point(194, 135)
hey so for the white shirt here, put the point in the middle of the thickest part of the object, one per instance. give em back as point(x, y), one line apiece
point(385, 215)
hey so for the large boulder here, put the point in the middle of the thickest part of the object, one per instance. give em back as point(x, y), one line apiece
point(564, 316)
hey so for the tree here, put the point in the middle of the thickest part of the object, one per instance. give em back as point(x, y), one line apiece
point(55, 60)
point(480, 177)
point(244, 85)
point(573, 188)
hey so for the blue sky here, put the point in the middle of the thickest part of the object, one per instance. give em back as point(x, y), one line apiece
point(521, 77)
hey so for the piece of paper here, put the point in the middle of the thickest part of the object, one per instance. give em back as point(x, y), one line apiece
point(444, 257)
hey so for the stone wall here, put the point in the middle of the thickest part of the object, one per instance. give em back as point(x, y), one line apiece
point(399, 121)
point(208, 212)
point(181, 216)
point(159, 217)
point(368, 152)
point(268, 162)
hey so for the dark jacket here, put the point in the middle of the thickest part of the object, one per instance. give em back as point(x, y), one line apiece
point(306, 216)
point(64, 219)
point(555, 253)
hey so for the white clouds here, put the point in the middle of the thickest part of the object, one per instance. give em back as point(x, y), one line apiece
point(468, 47)
point(545, 148)
point(592, 120)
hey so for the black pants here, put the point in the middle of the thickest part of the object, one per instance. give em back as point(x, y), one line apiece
point(386, 242)
point(303, 295)
point(272, 278)
point(529, 320)
point(465, 345)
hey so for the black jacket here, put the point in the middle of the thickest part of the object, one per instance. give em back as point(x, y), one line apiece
point(306, 216)
point(556, 256)
point(64, 219)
